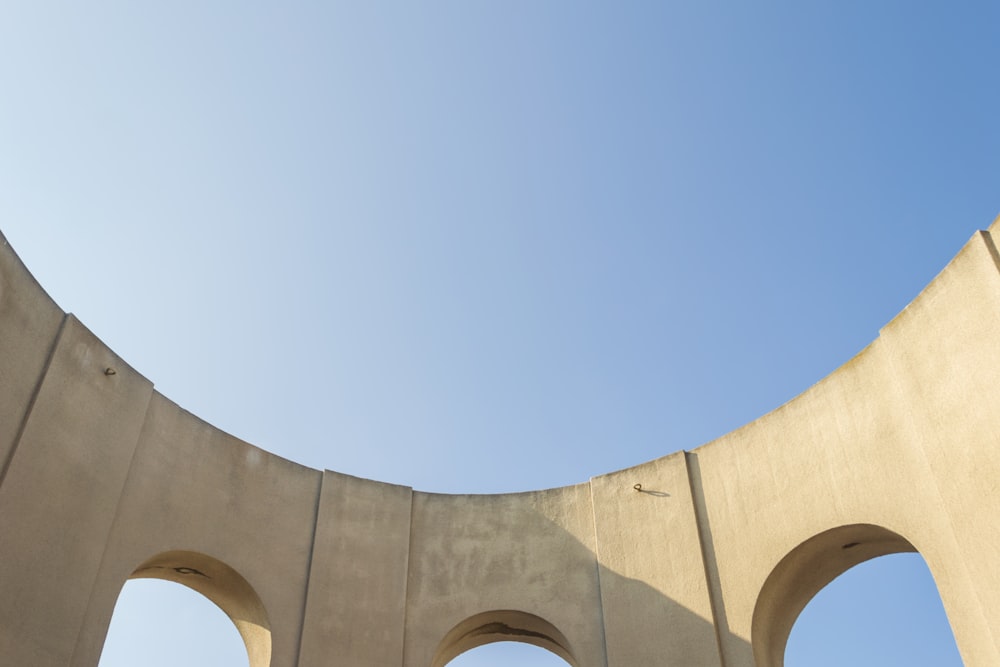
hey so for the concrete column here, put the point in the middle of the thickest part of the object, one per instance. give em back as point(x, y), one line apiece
point(60, 493)
point(654, 593)
point(357, 582)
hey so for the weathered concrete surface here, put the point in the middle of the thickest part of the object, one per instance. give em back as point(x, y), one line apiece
point(60, 492)
point(708, 562)
point(651, 560)
point(29, 324)
point(531, 553)
point(195, 489)
point(357, 584)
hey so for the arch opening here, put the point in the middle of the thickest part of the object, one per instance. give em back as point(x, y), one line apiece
point(223, 586)
point(508, 653)
point(502, 626)
point(806, 570)
point(885, 611)
point(159, 623)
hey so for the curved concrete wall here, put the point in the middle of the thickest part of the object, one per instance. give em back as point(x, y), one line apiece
point(708, 562)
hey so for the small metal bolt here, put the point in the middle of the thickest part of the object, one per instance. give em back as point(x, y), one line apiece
point(638, 487)
point(110, 371)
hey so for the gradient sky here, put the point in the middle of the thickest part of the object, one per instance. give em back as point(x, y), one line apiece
point(488, 247)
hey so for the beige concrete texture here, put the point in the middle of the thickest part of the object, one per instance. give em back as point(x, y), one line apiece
point(702, 558)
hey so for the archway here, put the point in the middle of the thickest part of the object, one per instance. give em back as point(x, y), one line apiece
point(223, 586)
point(508, 654)
point(885, 611)
point(806, 570)
point(162, 624)
point(504, 626)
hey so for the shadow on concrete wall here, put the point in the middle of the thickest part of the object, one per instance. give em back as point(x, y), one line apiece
point(509, 587)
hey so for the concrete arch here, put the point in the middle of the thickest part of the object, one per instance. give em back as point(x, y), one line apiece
point(699, 557)
point(502, 625)
point(803, 572)
point(225, 587)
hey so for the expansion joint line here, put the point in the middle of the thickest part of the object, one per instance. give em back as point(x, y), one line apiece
point(406, 582)
point(597, 571)
point(992, 247)
point(309, 566)
point(707, 553)
point(34, 397)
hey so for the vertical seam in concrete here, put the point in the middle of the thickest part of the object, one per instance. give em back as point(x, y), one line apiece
point(708, 561)
point(406, 582)
point(309, 566)
point(111, 531)
point(34, 397)
point(991, 246)
point(597, 568)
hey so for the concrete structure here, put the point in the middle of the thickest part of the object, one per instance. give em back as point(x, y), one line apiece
point(708, 562)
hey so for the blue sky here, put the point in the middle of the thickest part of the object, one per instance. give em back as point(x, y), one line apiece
point(487, 247)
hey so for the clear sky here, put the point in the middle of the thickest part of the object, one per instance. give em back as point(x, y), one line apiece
point(487, 247)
